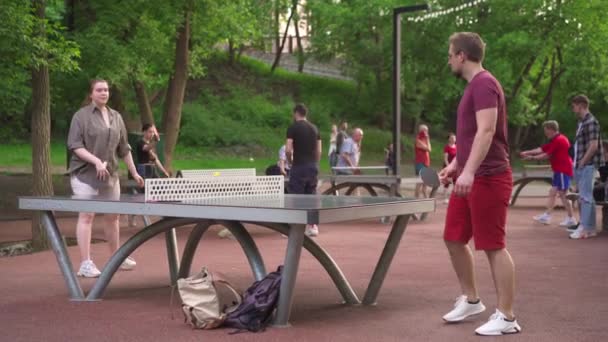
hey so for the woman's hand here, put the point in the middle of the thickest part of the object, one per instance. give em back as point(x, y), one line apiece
point(102, 170)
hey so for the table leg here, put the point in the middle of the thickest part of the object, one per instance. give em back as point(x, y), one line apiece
point(256, 262)
point(195, 237)
point(147, 233)
point(172, 255)
point(290, 271)
point(61, 253)
point(390, 248)
point(328, 263)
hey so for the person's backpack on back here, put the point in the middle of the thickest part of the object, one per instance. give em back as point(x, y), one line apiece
point(202, 299)
point(258, 304)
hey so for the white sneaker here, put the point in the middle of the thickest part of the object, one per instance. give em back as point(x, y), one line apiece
point(573, 228)
point(568, 222)
point(463, 309)
point(225, 234)
point(544, 218)
point(128, 264)
point(88, 270)
point(311, 230)
point(498, 325)
point(582, 234)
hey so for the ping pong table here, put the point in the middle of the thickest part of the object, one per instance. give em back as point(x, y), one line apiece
point(286, 214)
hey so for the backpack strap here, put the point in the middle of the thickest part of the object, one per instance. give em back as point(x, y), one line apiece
point(218, 279)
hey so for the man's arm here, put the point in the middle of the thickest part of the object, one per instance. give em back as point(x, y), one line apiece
point(289, 149)
point(149, 146)
point(591, 151)
point(540, 156)
point(319, 150)
point(530, 154)
point(158, 163)
point(282, 163)
point(486, 127)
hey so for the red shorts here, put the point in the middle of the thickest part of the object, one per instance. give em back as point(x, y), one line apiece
point(482, 214)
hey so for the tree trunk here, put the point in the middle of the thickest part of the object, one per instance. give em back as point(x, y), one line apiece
point(41, 138)
point(143, 103)
point(117, 101)
point(177, 89)
point(277, 58)
point(296, 24)
point(231, 52)
point(276, 26)
point(521, 79)
point(69, 15)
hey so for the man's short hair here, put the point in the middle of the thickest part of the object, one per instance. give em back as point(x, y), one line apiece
point(580, 99)
point(146, 127)
point(552, 125)
point(300, 109)
point(470, 43)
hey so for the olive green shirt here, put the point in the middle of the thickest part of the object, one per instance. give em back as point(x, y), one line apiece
point(88, 130)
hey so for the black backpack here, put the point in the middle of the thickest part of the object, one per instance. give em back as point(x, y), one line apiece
point(259, 302)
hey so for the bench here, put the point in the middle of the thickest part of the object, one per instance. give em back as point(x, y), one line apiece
point(372, 184)
point(531, 174)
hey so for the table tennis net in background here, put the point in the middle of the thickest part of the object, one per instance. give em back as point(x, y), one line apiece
point(184, 189)
point(216, 173)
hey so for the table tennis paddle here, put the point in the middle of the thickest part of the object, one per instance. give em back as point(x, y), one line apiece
point(429, 177)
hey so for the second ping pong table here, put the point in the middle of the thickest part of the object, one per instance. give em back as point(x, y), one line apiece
point(288, 214)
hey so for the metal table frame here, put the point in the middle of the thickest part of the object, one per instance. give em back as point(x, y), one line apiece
point(288, 221)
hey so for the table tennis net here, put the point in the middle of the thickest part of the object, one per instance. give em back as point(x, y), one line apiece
point(180, 189)
point(216, 173)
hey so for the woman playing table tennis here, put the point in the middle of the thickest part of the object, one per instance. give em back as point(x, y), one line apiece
point(97, 139)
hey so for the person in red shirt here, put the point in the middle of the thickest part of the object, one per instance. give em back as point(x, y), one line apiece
point(478, 204)
point(556, 150)
point(422, 149)
point(449, 153)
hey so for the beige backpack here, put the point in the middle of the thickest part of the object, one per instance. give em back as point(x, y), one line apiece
point(204, 300)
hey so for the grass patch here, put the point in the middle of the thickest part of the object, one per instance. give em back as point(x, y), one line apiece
point(20, 154)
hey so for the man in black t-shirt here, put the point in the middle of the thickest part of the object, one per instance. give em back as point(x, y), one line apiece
point(146, 158)
point(304, 148)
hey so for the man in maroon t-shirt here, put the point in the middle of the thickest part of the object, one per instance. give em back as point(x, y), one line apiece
point(479, 201)
point(556, 150)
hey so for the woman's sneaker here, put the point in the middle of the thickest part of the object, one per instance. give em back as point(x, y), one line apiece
point(88, 270)
point(498, 325)
point(128, 264)
point(463, 309)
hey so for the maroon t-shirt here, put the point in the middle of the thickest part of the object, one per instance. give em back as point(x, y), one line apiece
point(482, 92)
